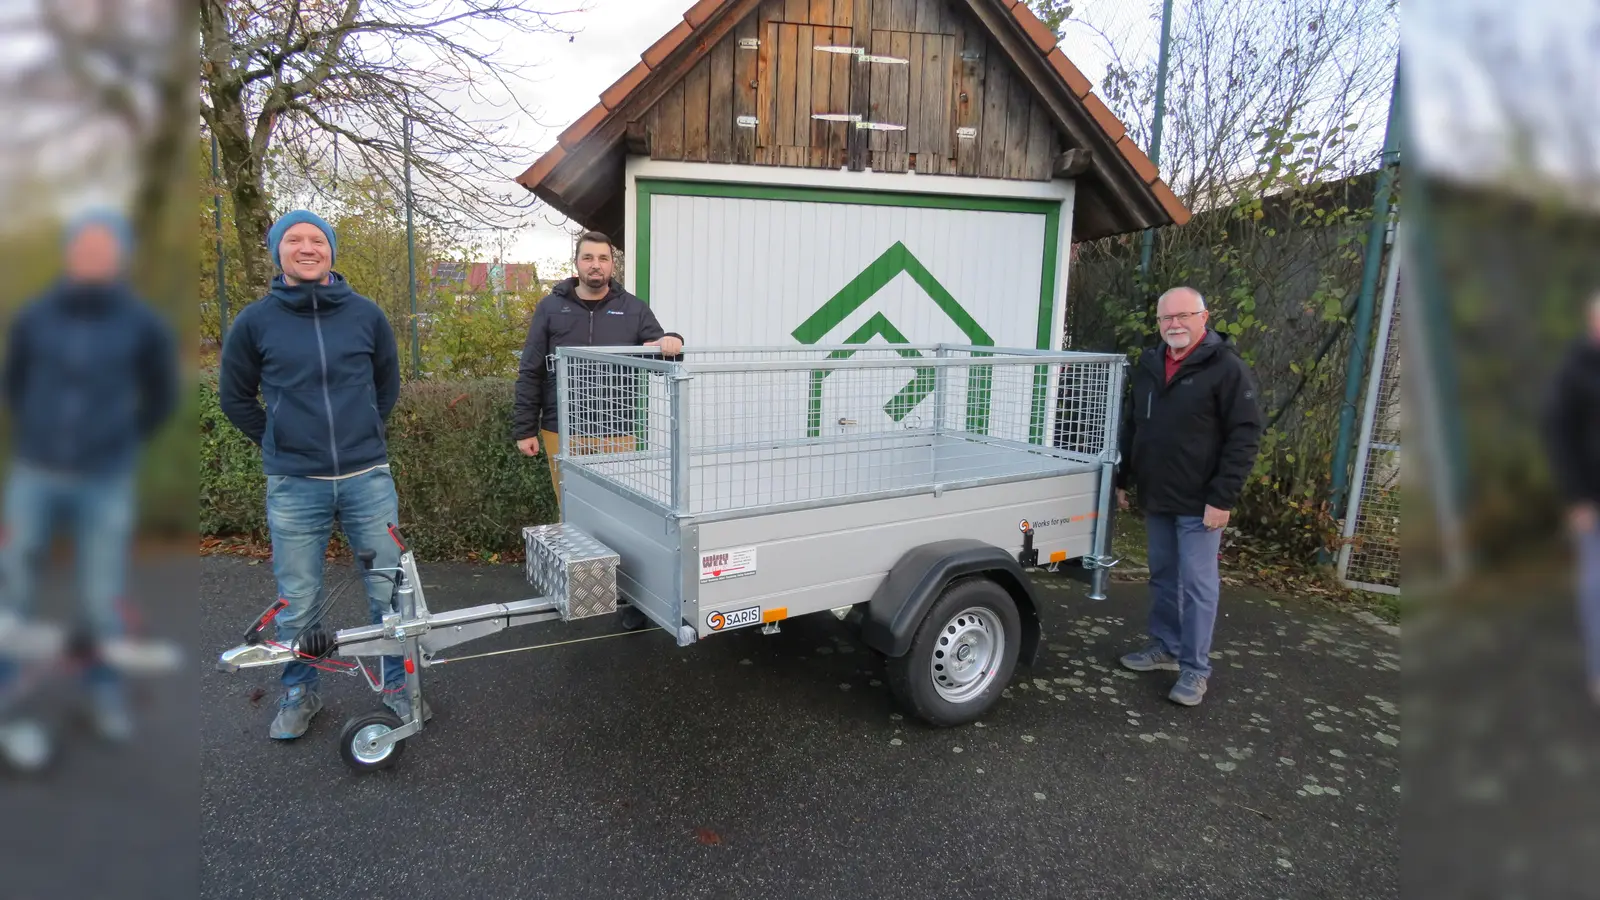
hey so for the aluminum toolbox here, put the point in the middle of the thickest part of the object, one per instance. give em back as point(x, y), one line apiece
point(572, 568)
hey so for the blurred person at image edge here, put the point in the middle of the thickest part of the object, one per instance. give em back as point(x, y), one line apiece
point(90, 374)
point(1572, 431)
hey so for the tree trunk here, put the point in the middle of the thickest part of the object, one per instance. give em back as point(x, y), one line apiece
point(243, 175)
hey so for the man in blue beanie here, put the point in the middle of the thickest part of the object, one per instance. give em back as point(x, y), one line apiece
point(90, 373)
point(323, 358)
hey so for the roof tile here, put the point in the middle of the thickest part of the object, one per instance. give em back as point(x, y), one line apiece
point(622, 87)
point(580, 129)
point(1169, 201)
point(669, 42)
point(540, 169)
point(1141, 163)
point(700, 12)
point(1075, 78)
point(1042, 36)
point(1105, 118)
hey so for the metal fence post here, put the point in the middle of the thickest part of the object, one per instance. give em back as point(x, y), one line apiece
point(678, 387)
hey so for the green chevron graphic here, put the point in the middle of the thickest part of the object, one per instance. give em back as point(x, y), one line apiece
point(862, 288)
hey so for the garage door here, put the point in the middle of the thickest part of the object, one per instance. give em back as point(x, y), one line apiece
point(741, 266)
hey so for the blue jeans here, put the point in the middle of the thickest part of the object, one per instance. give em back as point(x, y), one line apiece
point(1184, 587)
point(1589, 599)
point(98, 512)
point(300, 514)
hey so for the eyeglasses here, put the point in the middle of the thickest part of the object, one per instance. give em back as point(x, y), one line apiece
point(1176, 317)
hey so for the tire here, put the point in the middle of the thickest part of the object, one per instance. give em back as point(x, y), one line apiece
point(979, 617)
point(358, 730)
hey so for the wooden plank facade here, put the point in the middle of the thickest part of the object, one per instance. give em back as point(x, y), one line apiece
point(911, 85)
point(973, 89)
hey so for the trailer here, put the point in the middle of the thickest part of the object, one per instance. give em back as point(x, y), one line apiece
point(906, 489)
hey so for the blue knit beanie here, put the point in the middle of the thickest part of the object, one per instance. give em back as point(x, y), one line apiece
point(289, 220)
point(104, 217)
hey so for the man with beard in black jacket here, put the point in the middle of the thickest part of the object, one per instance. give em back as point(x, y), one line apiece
point(1572, 431)
point(1191, 429)
point(590, 310)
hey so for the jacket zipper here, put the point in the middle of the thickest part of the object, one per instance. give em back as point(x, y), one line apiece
point(327, 400)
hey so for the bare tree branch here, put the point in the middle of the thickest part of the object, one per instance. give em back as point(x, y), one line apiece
point(297, 79)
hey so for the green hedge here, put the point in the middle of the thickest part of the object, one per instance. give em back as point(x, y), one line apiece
point(464, 489)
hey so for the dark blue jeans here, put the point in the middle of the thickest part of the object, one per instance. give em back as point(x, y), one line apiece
point(1184, 586)
point(300, 513)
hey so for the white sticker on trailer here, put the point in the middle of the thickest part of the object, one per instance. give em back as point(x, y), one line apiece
point(719, 565)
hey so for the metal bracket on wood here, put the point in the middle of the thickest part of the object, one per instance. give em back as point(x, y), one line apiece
point(746, 121)
point(749, 43)
point(861, 55)
point(836, 117)
point(879, 126)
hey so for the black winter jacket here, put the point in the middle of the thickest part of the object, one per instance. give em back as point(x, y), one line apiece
point(564, 320)
point(1191, 443)
point(1572, 424)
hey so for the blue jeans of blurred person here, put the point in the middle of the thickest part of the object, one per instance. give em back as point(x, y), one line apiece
point(97, 512)
point(1589, 601)
point(300, 516)
point(1184, 587)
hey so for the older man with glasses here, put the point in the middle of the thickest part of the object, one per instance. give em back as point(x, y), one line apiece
point(1190, 433)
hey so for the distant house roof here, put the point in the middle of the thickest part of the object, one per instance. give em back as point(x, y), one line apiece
point(1120, 190)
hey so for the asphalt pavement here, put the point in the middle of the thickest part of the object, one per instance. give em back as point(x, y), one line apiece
point(756, 765)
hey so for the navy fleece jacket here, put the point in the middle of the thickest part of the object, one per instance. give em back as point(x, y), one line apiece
point(90, 373)
point(323, 359)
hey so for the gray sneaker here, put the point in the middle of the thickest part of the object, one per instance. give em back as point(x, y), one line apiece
point(112, 718)
point(1150, 659)
point(400, 705)
point(25, 745)
point(294, 713)
point(1190, 689)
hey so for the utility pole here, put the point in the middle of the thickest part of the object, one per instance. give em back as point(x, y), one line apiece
point(411, 259)
point(1148, 249)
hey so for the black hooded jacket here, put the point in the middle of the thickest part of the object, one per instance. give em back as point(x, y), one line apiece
point(1572, 424)
point(564, 320)
point(1191, 443)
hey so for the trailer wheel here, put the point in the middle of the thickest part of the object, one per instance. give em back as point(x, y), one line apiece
point(962, 655)
point(359, 733)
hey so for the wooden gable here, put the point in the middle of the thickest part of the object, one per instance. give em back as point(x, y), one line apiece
point(963, 88)
point(783, 89)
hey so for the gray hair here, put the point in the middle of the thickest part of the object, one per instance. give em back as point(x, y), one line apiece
point(1171, 292)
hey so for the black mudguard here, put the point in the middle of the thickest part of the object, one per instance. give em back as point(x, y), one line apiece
point(901, 602)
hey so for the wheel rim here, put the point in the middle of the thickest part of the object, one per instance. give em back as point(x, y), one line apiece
point(967, 654)
point(361, 745)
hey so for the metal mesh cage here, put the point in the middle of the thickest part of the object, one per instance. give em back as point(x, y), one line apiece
point(728, 429)
point(1370, 558)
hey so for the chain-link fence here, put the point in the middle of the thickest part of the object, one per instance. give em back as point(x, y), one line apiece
point(1370, 557)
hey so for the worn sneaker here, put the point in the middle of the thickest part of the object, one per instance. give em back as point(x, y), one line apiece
point(1150, 659)
point(1190, 689)
point(25, 745)
point(400, 705)
point(294, 713)
point(112, 718)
